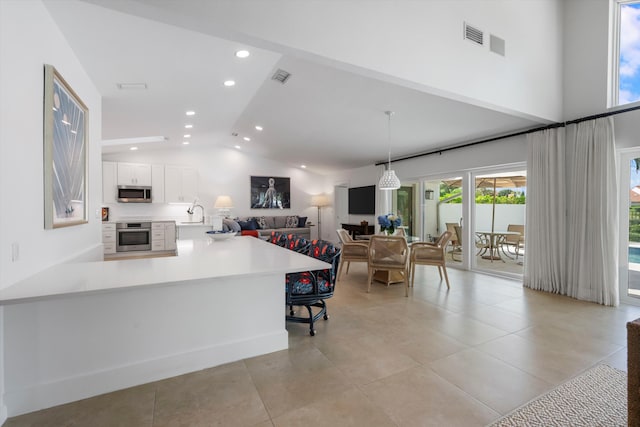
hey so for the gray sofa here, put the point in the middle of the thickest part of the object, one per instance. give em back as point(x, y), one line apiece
point(279, 223)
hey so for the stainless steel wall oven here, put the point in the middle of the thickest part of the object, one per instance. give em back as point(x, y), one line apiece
point(133, 236)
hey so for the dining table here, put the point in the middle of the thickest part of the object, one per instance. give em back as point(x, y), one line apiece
point(495, 241)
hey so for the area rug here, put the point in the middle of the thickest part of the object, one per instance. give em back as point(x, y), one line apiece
point(597, 397)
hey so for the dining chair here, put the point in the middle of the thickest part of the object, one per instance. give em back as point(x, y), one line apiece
point(426, 253)
point(352, 251)
point(391, 254)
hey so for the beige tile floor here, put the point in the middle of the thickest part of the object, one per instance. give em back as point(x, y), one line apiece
point(461, 357)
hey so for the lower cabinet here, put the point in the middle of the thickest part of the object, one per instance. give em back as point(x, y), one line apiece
point(163, 236)
point(109, 238)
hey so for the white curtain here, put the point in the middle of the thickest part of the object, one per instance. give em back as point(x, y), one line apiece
point(545, 226)
point(572, 212)
point(592, 212)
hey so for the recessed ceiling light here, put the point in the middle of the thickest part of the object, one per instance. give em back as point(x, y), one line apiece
point(133, 148)
point(246, 138)
point(185, 142)
point(186, 136)
point(258, 128)
point(238, 147)
point(188, 126)
point(229, 83)
point(303, 166)
point(242, 53)
point(191, 113)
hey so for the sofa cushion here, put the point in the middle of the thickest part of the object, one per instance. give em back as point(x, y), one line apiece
point(291, 221)
point(279, 221)
point(302, 221)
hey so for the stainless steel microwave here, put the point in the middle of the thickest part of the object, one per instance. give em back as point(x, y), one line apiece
point(134, 194)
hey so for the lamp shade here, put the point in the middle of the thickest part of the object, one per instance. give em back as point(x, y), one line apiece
point(223, 202)
point(319, 200)
point(389, 181)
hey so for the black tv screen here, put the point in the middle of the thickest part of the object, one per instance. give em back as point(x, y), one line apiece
point(362, 200)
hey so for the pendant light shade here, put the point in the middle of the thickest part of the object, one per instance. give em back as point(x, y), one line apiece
point(389, 180)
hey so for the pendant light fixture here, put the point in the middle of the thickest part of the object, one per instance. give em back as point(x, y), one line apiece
point(389, 180)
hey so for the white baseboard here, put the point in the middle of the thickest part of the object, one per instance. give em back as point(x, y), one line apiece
point(92, 384)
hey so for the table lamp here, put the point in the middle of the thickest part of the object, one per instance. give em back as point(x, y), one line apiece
point(224, 205)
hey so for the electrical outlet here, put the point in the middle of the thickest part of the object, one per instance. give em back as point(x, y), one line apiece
point(15, 251)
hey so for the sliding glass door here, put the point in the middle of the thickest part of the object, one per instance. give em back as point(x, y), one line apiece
point(630, 226)
point(499, 238)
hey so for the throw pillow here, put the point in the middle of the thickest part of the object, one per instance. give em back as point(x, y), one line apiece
point(231, 224)
point(291, 222)
point(248, 225)
point(261, 221)
point(302, 221)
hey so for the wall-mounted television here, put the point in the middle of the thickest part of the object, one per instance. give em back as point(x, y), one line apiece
point(362, 200)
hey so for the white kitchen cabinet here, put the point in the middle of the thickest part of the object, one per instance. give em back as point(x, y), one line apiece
point(134, 174)
point(163, 236)
point(157, 183)
point(109, 182)
point(109, 238)
point(157, 236)
point(180, 184)
point(170, 236)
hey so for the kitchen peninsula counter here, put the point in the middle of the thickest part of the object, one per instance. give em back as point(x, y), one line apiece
point(197, 259)
point(81, 329)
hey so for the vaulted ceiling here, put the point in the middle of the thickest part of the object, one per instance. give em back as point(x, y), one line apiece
point(325, 117)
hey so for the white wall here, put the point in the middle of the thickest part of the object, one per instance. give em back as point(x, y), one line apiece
point(222, 171)
point(28, 39)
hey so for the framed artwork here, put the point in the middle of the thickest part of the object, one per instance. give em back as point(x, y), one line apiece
point(270, 192)
point(65, 153)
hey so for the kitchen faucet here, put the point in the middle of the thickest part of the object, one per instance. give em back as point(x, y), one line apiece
point(195, 205)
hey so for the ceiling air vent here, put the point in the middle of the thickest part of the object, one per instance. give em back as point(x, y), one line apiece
point(281, 76)
point(473, 34)
point(496, 44)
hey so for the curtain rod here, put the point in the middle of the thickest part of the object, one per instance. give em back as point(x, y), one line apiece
point(511, 135)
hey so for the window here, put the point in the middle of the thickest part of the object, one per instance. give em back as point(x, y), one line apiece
point(626, 53)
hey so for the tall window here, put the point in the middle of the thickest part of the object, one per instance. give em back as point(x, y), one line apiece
point(626, 49)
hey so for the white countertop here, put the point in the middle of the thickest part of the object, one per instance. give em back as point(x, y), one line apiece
point(196, 260)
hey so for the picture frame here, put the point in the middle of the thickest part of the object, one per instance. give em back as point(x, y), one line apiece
point(65, 137)
point(270, 192)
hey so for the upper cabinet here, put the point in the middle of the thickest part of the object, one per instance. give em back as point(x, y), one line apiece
point(109, 179)
point(180, 184)
point(157, 183)
point(134, 174)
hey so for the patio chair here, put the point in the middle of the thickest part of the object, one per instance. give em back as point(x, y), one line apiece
point(352, 251)
point(514, 242)
point(425, 253)
point(482, 244)
point(388, 253)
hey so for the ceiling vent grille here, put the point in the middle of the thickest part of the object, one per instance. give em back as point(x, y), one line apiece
point(473, 34)
point(281, 76)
